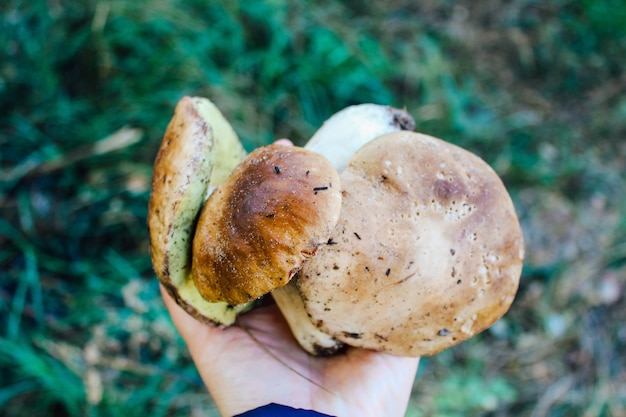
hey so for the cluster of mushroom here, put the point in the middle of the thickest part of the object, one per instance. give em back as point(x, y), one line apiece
point(371, 236)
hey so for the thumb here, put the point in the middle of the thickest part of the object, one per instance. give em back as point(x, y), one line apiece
point(194, 332)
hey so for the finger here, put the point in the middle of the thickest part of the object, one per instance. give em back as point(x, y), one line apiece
point(192, 331)
point(284, 142)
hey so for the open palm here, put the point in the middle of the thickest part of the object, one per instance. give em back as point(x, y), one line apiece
point(258, 362)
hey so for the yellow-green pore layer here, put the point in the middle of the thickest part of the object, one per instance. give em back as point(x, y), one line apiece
point(199, 149)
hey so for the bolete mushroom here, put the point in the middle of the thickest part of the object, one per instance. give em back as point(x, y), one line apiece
point(427, 252)
point(226, 228)
point(372, 236)
point(199, 149)
point(258, 228)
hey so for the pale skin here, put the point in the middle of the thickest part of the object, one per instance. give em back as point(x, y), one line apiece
point(257, 361)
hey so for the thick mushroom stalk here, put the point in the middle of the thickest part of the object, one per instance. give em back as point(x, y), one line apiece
point(349, 129)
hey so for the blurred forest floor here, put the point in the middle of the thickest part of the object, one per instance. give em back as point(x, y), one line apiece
point(537, 89)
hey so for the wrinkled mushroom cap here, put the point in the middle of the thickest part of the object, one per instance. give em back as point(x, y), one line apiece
point(427, 251)
point(257, 228)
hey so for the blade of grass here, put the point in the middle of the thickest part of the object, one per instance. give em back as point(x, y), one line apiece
point(55, 381)
point(16, 389)
point(121, 264)
point(17, 305)
point(29, 279)
point(120, 139)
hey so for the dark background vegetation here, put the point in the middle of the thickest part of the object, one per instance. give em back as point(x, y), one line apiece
point(537, 88)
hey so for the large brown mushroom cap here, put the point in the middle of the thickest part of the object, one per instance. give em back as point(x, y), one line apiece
point(256, 230)
point(427, 251)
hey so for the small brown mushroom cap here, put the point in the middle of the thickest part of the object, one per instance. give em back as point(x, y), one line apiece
point(258, 228)
point(427, 251)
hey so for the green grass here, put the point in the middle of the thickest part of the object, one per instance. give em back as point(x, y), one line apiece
point(538, 89)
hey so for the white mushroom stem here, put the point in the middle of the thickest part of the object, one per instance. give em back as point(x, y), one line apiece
point(306, 333)
point(349, 129)
point(338, 139)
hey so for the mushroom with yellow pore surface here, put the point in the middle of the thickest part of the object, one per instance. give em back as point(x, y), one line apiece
point(199, 149)
point(265, 213)
point(426, 251)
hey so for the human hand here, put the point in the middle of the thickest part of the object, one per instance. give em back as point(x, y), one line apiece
point(257, 361)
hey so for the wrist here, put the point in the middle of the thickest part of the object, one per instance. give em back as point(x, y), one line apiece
point(277, 410)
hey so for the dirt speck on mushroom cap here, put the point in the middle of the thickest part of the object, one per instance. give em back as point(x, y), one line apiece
point(427, 252)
